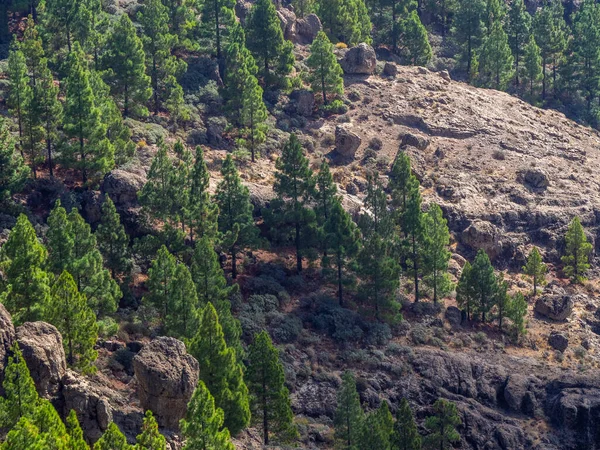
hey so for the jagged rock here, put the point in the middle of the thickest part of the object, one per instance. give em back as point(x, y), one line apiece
point(390, 69)
point(359, 60)
point(260, 196)
point(346, 141)
point(89, 401)
point(415, 140)
point(7, 337)
point(481, 234)
point(557, 307)
point(42, 347)
point(558, 341)
point(122, 187)
point(534, 177)
point(304, 101)
point(453, 316)
point(445, 75)
point(307, 29)
point(242, 9)
point(288, 23)
point(315, 399)
point(167, 376)
point(519, 395)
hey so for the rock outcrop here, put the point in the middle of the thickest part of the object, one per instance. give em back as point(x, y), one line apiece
point(359, 60)
point(555, 304)
point(7, 337)
point(346, 141)
point(122, 187)
point(167, 376)
point(299, 30)
point(42, 348)
point(558, 341)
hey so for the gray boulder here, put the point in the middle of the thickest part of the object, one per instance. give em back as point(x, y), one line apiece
point(453, 316)
point(346, 141)
point(359, 60)
point(481, 234)
point(123, 187)
point(307, 29)
point(390, 69)
point(304, 101)
point(555, 306)
point(167, 376)
point(558, 341)
point(415, 140)
point(534, 177)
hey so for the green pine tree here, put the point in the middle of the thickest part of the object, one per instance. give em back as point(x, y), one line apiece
point(405, 435)
point(112, 439)
point(468, 29)
point(501, 300)
point(182, 320)
point(202, 426)
point(264, 38)
point(400, 178)
point(75, 433)
point(536, 269)
point(577, 252)
point(150, 438)
point(349, 416)
point(13, 171)
point(377, 429)
point(253, 116)
point(59, 240)
point(23, 259)
point(442, 425)
point(414, 233)
point(294, 184)
point(69, 312)
point(160, 282)
point(345, 21)
point(50, 110)
point(496, 59)
point(24, 436)
point(269, 398)
point(518, 29)
point(163, 67)
point(483, 283)
point(50, 425)
point(20, 397)
point(236, 223)
point(19, 94)
point(342, 238)
point(516, 310)
point(220, 371)
point(435, 253)
point(532, 62)
point(465, 295)
point(217, 19)
point(326, 194)
point(416, 41)
point(87, 148)
point(202, 211)
point(379, 219)
point(325, 72)
point(125, 64)
point(113, 241)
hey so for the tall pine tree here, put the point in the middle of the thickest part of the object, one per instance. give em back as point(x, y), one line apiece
point(326, 73)
point(349, 416)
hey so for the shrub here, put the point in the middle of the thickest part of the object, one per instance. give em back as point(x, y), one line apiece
point(124, 356)
point(420, 335)
point(579, 352)
point(264, 284)
point(378, 334)
point(285, 328)
point(335, 107)
point(339, 323)
point(107, 327)
point(376, 143)
point(341, 45)
point(481, 338)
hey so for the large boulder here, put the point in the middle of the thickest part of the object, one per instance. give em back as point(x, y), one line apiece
point(123, 186)
point(288, 23)
point(359, 60)
point(7, 337)
point(415, 140)
point(534, 177)
point(307, 29)
point(42, 348)
point(346, 141)
point(481, 234)
point(556, 305)
point(558, 341)
point(167, 376)
point(304, 101)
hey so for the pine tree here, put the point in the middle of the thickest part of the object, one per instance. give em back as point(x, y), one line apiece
point(294, 185)
point(377, 429)
point(516, 310)
point(551, 35)
point(443, 425)
point(13, 171)
point(518, 30)
point(468, 28)
point(379, 218)
point(217, 18)
point(202, 426)
point(182, 320)
point(59, 240)
point(20, 397)
point(414, 232)
point(435, 252)
point(24, 436)
point(264, 38)
point(253, 116)
point(19, 94)
point(380, 274)
point(483, 283)
point(405, 435)
point(150, 438)
point(85, 265)
point(112, 439)
point(416, 41)
point(536, 269)
point(50, 110)
point(50, 425)
point(220, 371)
point(23, 259)
point(346, 21)
point(113, 241)
point(400, 178)
point(442, 10)
point(160, 281)
point(235, 213)
point(501, 300)
point(69, 312)
point(202, 213)
point(90, 27)
point(163, 68)
point(343, 239)
point(125, 64)
point(33, 50)
point(349, 416)
point(326, 194)
point(75, 433)
point(495, 12)
point(326, 73)
point(269, 398)
point(88, 148)
point(532, 62)
point(465, 295)
point(577, 252)
point(495, 59)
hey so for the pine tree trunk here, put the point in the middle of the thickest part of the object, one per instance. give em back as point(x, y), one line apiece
point(298, 255)
point(233, 263)
point(339, 274)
